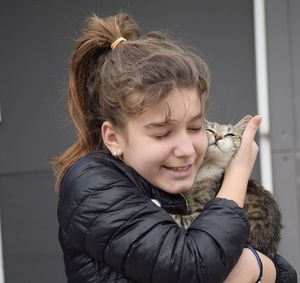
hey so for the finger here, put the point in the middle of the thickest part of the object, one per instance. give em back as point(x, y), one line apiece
point(251, 129)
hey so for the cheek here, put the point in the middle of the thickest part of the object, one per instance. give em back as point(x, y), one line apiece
point(205, 139)
point(210, 138)
point(146, 155)
point(202, 144)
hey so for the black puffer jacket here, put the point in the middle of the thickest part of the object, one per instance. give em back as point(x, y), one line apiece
point(111, 231)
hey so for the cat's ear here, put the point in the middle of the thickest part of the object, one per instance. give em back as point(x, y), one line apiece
point(241, 125)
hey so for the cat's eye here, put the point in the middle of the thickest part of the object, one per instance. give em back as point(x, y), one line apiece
point(210, 131)
point(230, 135)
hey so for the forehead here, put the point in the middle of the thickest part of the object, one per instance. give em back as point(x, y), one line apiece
point(179, 105)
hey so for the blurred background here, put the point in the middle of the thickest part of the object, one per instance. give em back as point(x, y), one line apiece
point(37, 38)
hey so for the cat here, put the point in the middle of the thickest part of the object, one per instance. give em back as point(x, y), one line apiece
point(260, 206)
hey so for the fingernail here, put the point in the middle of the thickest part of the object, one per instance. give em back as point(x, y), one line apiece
point(257, 119)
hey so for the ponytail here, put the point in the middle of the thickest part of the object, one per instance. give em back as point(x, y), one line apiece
point(89, 55)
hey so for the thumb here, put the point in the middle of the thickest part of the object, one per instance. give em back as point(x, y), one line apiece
point(251, 129)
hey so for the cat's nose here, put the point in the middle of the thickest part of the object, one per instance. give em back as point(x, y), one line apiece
point(218, 138)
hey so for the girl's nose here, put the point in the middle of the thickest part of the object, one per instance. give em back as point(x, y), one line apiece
point(184, 146)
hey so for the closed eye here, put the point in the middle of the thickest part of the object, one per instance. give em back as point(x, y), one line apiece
point(230, 135)
point(162, 136)
point(197, 129)
point(210, 131)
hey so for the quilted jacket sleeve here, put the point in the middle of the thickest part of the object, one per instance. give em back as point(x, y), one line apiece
point(105, 216)
point(285, 272)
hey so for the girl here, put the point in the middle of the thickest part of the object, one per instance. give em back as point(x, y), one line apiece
point(138, 104)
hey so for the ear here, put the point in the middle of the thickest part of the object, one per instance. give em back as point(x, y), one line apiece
point(112, 138)
point(241, 125)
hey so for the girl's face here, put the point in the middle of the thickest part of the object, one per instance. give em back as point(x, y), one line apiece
point(167, 143)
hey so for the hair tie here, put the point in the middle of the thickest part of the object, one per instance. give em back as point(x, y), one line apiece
point(117, 41)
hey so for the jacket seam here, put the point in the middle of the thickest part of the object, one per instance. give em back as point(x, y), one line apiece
point(154, 265)
point(240, 212)
point(96, 217)
point(111, 206)
point(64, 195)
point(73, 212)
point(181, 256)
point(112, 236)
point(79, 204)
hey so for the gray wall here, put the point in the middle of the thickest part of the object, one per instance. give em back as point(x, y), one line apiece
point(283, 40)
point(37, 38)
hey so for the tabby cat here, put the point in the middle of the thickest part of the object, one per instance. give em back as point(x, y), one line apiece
point(262, 210)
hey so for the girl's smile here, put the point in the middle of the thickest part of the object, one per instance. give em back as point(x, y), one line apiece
point(182, 171)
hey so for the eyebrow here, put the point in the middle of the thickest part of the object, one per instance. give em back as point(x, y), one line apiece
point(197, 117)
point(169, 121)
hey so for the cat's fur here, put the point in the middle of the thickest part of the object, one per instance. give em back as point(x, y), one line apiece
point(262, 210)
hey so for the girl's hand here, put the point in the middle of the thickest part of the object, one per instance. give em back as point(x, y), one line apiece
point(245, 158)
point(239, 169)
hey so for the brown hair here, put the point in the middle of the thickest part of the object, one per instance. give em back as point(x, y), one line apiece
point(110, 85)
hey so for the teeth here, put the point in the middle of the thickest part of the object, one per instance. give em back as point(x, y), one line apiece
point(179, 168)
